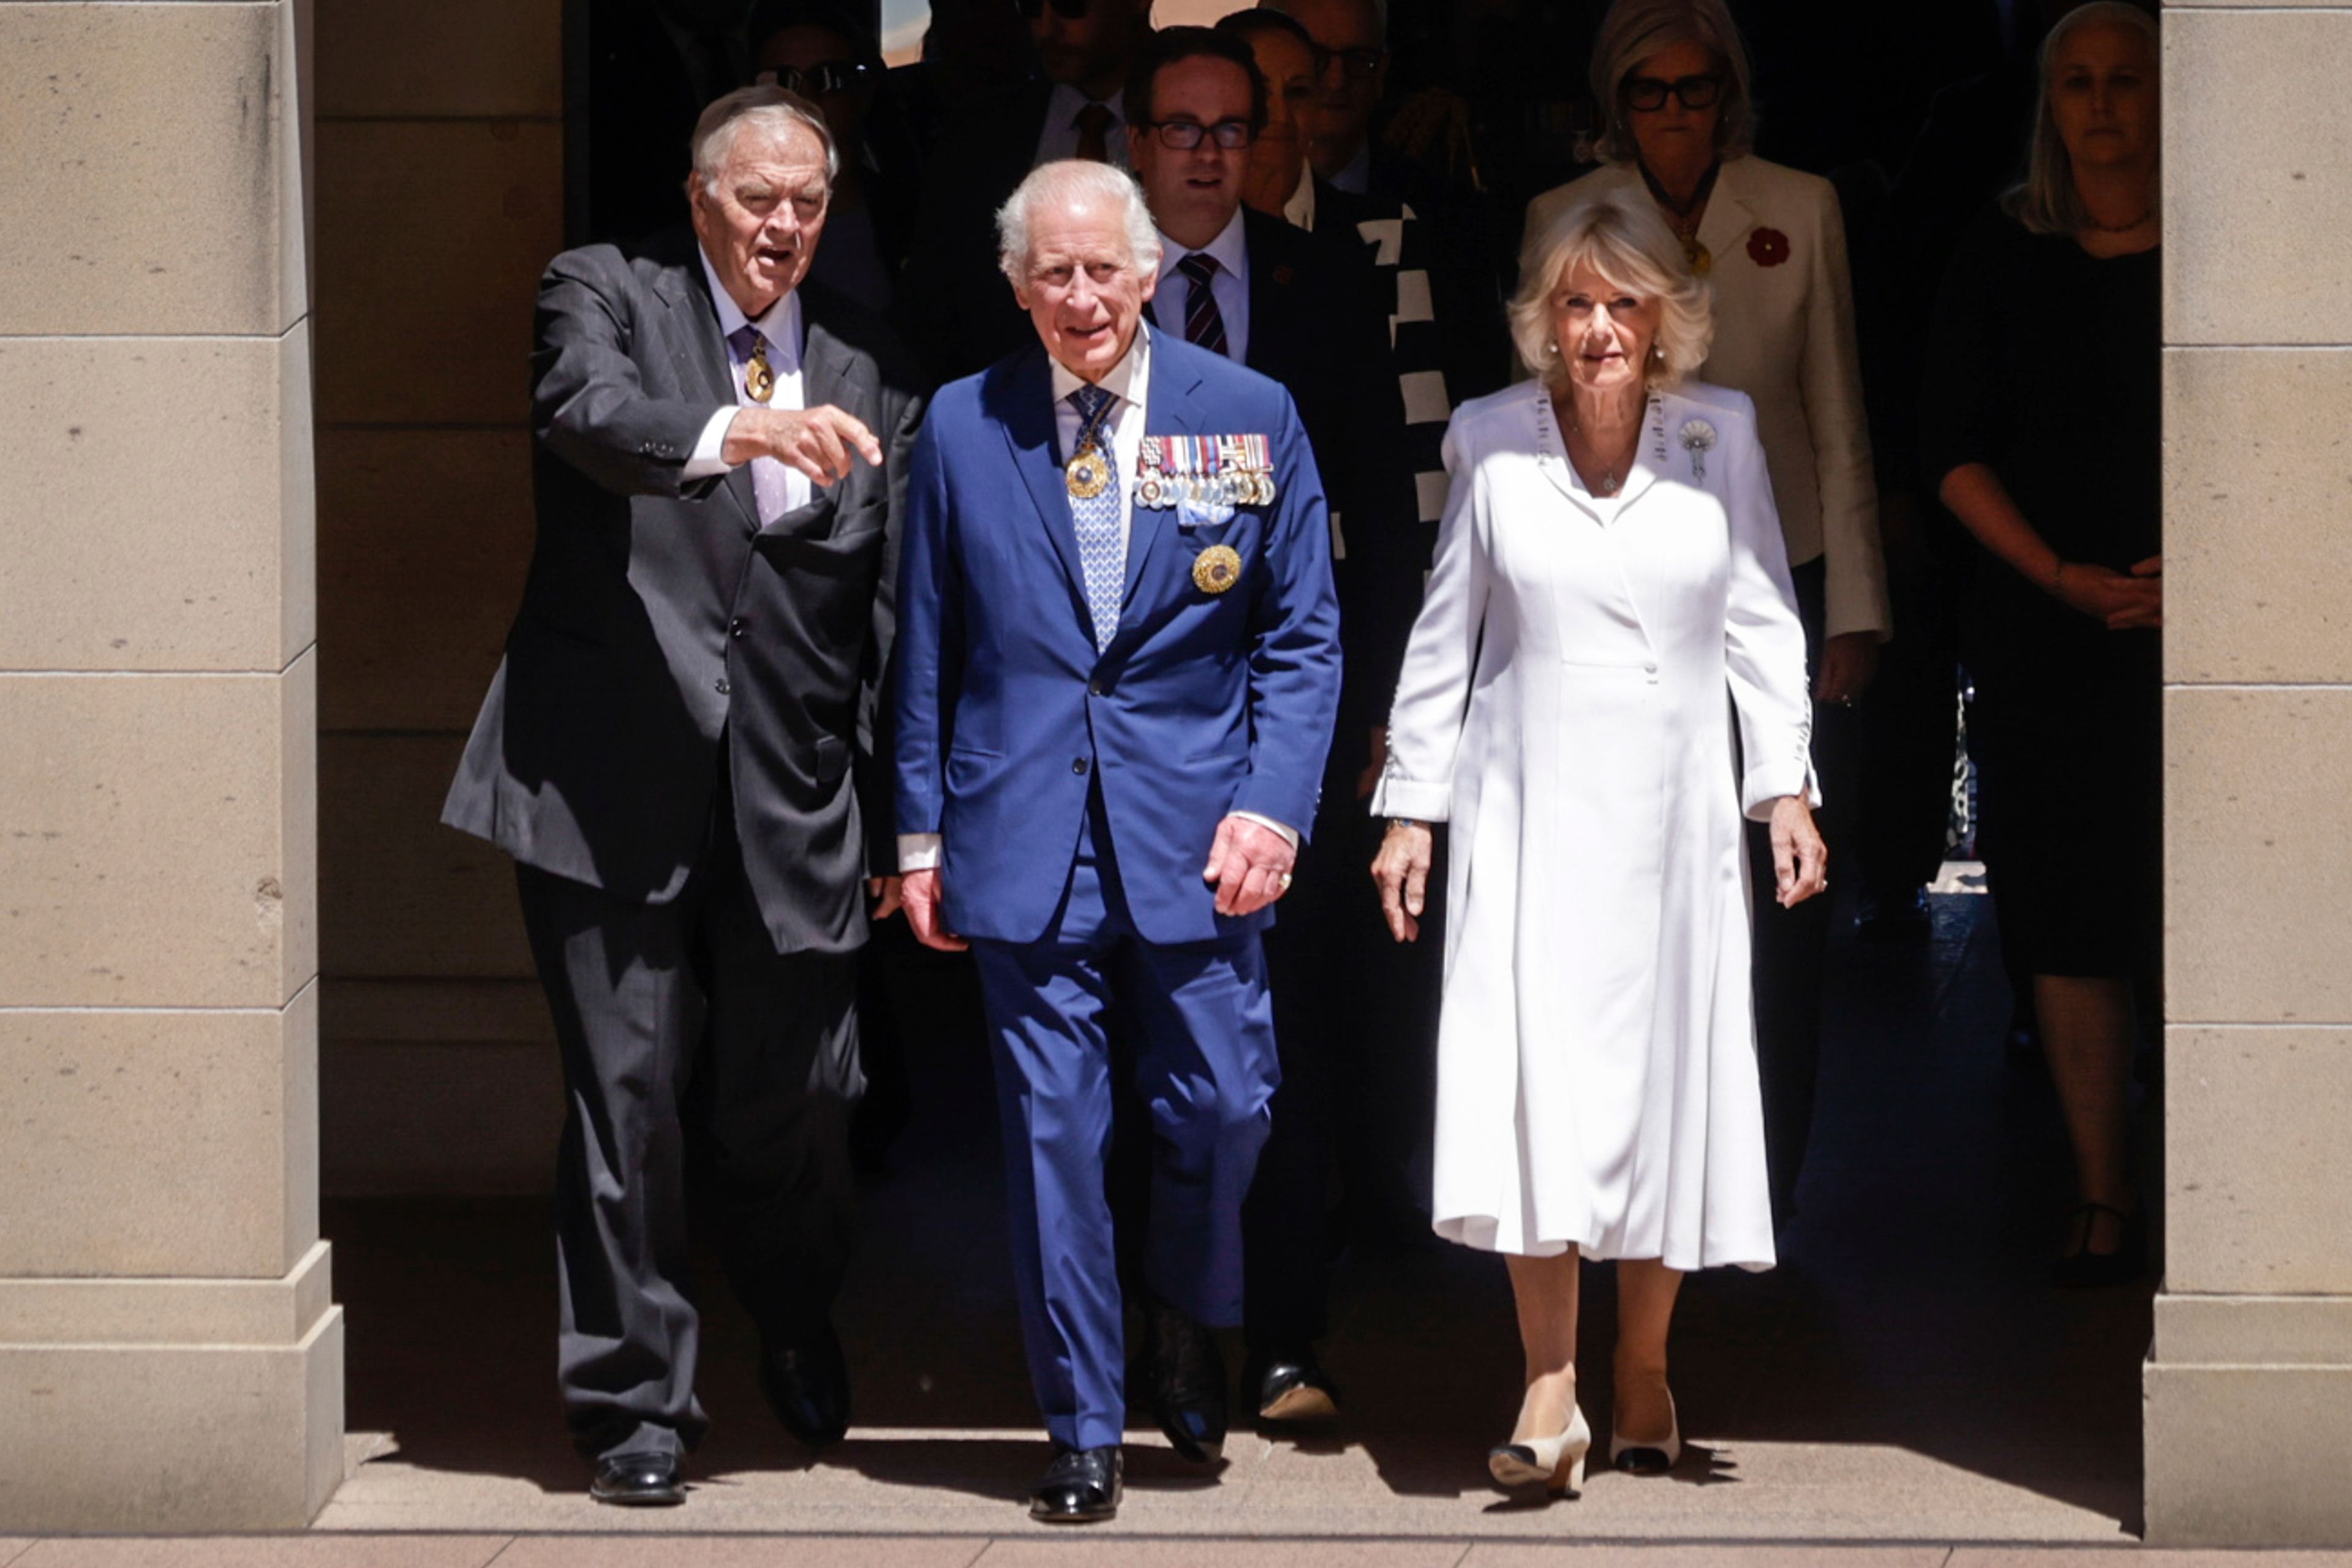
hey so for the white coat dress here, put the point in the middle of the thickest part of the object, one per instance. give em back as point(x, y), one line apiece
point(1567, 704)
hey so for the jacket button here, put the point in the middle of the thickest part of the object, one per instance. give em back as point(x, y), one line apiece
point(721, 687)
point(735, 628)
point(1078, 764)
point(1094, 689)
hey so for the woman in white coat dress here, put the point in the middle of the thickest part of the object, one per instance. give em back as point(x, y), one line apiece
point(1610, 569)
point(1672, 78)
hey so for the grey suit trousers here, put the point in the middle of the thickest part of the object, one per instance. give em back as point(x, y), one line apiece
point(688, 1042)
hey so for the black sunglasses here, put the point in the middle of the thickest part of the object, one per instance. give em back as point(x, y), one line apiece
point(1183, 135)
point(833, 76)
point(1649, 92)
point(1068, 10)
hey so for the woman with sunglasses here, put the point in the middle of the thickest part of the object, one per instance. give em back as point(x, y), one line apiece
point(1672, 78)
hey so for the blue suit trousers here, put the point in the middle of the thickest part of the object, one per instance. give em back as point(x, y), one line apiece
point(1203, 1027)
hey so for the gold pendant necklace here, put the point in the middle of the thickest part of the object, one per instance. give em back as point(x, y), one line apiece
point(757, 379)
point(1088, 474)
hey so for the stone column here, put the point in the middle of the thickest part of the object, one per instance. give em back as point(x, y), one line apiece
point(170, 1358)
point(2248, 1387)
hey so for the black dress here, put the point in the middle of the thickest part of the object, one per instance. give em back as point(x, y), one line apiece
point(2044, 365)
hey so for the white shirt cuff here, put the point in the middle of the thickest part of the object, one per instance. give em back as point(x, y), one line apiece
point(921, 852)
point(1291, 834)
point(706, 463)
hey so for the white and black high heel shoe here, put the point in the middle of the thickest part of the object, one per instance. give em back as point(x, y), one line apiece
point(1557, 1461)
point(1649, 1459)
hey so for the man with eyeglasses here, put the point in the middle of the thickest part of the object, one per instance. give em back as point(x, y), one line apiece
point(825, 52)
point(1467, 265)
point(1307, 310)
point(959, 315)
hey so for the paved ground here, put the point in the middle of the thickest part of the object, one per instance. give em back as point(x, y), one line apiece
point(648, 1551)
point(1901, 1391)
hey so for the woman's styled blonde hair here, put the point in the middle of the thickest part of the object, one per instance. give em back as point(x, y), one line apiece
point(2048, 203)
point(1633, 31)
point(1622, 238)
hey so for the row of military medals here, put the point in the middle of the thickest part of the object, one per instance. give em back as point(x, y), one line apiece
point(1204, 476)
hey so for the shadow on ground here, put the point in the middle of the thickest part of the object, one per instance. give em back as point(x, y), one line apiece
point(1907, 1333)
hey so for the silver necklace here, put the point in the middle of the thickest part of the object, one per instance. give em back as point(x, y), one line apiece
point(1609, 483)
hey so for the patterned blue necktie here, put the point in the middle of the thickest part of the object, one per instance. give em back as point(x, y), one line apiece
point(1102, 543)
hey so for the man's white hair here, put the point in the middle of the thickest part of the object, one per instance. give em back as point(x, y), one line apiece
point(1075, 181)
point(765, 108)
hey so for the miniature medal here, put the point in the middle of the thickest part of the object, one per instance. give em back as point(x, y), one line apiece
point(1216, 569)
point(757, 379)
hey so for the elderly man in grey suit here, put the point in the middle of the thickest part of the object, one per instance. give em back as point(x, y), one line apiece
point(673, 751)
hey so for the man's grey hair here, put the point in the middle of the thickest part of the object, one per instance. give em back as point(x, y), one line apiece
point(1633, 31)
point(763, 107)
point(2049, 202)
point(1073, 182)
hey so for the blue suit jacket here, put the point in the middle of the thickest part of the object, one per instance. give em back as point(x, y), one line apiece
point(1203, 703)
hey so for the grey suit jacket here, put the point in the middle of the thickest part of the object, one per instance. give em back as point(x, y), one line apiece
point(664, 634)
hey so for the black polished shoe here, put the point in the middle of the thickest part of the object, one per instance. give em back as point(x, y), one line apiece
point(1292, 1387)
point(1081, 1486)
point(638, 1480)
point(1187, 1380)
point(807, 1385)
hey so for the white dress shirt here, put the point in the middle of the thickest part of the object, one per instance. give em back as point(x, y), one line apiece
point(1230, 286)
point(1060, 137)
point(1129, 384)
point(1300, 210)
point(780, 324)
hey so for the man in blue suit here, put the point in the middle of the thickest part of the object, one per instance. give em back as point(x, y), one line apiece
point(1117, 672)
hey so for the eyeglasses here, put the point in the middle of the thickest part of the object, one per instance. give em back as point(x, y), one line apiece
point(1355, 65)
point(1068, 10)
point(1649, 92)
point(816, 81)
point(1183, 135)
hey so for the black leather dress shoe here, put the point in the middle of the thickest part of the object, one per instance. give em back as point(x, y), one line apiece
point(638, 1480)
point(1292, 1387)
point(807, 1385)
point(1081, 1486)
point(1187, 1380)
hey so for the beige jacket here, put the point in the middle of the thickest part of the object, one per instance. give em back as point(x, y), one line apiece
point(1784, 335)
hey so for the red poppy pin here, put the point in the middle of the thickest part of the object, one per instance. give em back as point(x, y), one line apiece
point(1767, 248)
point(1283, 273)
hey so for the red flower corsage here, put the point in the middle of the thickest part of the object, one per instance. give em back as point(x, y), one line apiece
point(1767, 248)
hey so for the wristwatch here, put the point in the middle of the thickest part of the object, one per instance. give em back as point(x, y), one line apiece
point(1406, 822)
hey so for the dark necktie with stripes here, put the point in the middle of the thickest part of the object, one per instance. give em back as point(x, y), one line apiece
point(1204, 323)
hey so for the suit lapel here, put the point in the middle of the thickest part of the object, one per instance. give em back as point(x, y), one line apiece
point(1729, 217)
point(1170, 410)
point(1028, 425)
point(698, 353)
point(831, 371)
